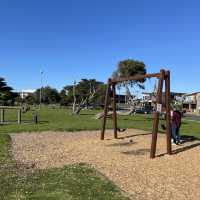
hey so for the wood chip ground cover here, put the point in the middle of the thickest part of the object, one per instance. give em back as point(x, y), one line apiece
point(125, 161)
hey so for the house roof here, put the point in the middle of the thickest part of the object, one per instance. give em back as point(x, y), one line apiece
point(192, 94)
point(26, 91)
point(172, 93)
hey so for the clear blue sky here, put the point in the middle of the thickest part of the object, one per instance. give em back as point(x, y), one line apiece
point(74, 39)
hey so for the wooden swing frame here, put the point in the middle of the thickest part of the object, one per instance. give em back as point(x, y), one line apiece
point(164, 77)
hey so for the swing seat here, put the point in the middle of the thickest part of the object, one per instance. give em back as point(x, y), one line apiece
point(121, 129)
point(163, 126)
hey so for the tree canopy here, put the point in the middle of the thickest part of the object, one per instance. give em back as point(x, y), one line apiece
point(82, 90)
point(49, 95)
point(131, 67)
point(7, 96)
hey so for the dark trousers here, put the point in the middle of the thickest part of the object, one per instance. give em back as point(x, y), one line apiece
point(175, 133)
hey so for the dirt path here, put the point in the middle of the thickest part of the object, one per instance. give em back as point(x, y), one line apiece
point(126, 163)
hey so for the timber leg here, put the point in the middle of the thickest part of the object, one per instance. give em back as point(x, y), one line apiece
point(156, 115)
point(105, 111)
point(114, 111)
point(168, 110)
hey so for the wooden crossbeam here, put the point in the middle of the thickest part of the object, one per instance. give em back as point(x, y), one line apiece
point(135, 78)
point(156, 115)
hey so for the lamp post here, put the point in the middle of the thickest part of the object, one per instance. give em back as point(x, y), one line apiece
point(74, 96)
point(41, 82)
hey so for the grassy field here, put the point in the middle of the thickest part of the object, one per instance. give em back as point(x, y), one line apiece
point(62, 120)
point(74, 182)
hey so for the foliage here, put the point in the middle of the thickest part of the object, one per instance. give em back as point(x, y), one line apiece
point(49, 95)
point(66, 95)
point(19, 100)
point(30, 99)
point(177, 105)
point(83, 90)
point(7, 97)
point(130, 67)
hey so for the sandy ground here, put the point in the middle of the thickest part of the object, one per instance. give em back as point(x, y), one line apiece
point(125, 162)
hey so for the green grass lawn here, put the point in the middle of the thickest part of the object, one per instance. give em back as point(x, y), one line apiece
point(74, 182)
point(62, 120)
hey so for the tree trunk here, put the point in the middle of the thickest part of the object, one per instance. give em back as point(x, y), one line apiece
point(83, 103)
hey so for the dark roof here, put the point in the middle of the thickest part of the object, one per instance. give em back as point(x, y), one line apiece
point(172, 93)
point(192, 94)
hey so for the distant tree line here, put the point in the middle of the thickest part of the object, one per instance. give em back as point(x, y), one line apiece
point(7, 96)
point(80, 91)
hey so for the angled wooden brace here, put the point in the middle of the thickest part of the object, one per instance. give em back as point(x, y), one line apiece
point(156, 115)
point(105, 109)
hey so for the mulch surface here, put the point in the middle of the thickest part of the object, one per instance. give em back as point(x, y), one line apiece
point(125, 161)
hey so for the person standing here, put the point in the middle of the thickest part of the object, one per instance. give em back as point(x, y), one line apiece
point(176, 124)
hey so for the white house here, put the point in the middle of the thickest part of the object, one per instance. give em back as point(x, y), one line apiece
point(191, 102)
point(24, 93)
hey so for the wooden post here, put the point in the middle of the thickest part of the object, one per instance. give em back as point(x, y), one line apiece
point(2, 115)
point(168, 112)
point(114, 111)
point(156, 115)
point(105, 110)
point(19, 116)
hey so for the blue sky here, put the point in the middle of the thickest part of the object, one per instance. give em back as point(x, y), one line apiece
point(74, 39)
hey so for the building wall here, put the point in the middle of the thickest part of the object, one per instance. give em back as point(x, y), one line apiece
point(198, 102)
point(190, 99)
point(192, 103)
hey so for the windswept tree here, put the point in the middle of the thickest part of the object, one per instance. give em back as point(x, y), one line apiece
point(85, 93)
point(127, 68)
point(130, 67)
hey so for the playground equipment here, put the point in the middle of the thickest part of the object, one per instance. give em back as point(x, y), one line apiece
point(164, 77)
